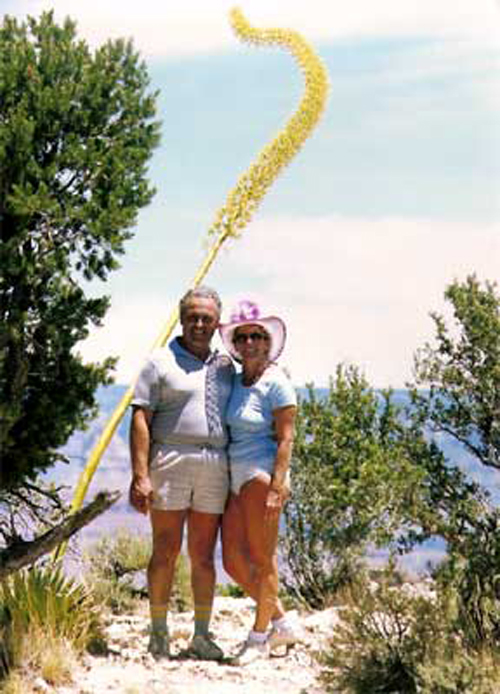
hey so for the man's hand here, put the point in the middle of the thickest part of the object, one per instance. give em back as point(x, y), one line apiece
point(140, 494)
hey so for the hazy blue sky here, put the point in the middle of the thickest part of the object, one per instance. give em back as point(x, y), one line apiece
point(396, 193)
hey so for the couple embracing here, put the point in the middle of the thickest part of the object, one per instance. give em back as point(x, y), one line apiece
point(209, 442)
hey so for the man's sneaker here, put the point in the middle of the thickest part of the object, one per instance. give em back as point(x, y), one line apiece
point(159, 646)
point(250, 652)
point(283, 636)
point(202, 647)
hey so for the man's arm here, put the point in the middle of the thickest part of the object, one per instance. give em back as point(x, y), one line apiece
point(140, 486)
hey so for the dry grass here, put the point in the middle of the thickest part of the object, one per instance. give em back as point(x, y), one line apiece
point(56, 661)
point(46, 619)
point(39, 655)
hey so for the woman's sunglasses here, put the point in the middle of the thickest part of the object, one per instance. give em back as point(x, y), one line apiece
point(244, 337)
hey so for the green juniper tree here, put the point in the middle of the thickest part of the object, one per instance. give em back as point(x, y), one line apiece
point(391, 641)
point(461, 371)
point(363, 474)
point(457, 394)
point(77, 128)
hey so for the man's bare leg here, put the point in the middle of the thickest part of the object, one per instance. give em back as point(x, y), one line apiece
point(167, 529)
point(203, 529)
point(202, 536)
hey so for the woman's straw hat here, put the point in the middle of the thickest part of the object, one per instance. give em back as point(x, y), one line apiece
point(248, 313)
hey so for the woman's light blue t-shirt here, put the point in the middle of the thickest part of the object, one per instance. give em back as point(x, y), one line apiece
point(250, 417)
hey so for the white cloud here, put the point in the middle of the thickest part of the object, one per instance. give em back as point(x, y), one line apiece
point(130, 329)
point(169, 27)
point(354, 290)
point(361, 290)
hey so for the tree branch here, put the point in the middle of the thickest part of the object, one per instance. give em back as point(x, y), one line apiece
point(440, 427)
point(21, 554)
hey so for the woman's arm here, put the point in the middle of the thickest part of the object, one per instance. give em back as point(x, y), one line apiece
point(284, 426)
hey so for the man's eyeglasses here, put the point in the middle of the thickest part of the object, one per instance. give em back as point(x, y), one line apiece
point(242, 338)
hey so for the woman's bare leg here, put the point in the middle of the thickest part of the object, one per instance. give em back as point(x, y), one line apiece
point(237, 558)
point(250, 536)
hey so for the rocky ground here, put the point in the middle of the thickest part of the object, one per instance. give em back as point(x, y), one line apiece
point(129, 669)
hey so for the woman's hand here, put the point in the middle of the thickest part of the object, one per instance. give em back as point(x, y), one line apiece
point(274, 499)
point(277, 495)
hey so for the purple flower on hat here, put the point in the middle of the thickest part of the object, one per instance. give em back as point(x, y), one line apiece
point(246, 311)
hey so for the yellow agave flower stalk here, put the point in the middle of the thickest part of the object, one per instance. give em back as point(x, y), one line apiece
point(243, 200)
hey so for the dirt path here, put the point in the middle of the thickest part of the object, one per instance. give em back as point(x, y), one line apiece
point(128, 669)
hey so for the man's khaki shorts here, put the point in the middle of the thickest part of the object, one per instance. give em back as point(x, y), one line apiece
point(186, 476)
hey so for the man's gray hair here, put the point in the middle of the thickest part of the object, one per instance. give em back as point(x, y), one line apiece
point(200, 293)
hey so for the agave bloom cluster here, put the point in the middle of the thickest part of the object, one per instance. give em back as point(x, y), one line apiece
point(251, 187)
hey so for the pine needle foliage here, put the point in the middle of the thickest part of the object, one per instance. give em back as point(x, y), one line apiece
point(77, 128)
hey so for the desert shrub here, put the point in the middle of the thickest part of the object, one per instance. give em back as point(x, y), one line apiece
point(464, 673)
point(318, 579)
point(374, 649)
point(364, 475)
point(111, 567)
point(116, 572)
point(397, 639)
point(355, 484)
point(470, 575)
point(42, 612)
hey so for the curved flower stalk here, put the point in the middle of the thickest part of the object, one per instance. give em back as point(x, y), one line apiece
point(251, 187)
point(243, 200)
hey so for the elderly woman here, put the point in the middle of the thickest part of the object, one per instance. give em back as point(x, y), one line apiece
point(260, 416)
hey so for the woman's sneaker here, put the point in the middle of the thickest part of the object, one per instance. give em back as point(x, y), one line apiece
point(283, 636)
point(250, 652)
point(159, 646)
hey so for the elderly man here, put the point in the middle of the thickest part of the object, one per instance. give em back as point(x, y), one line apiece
point(179, 464)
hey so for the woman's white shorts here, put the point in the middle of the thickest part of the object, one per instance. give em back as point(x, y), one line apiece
point(241, 473)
